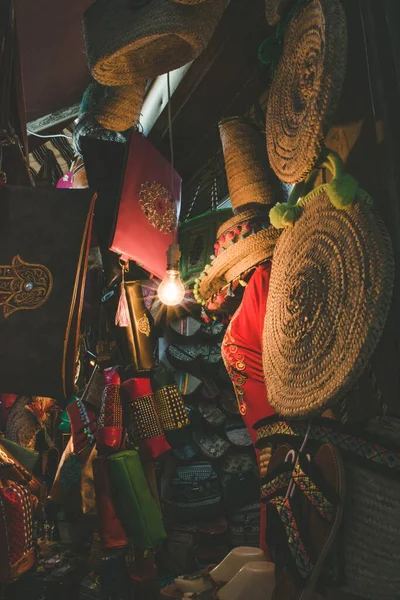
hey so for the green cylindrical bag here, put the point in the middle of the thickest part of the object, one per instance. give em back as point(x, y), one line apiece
point(134, 502)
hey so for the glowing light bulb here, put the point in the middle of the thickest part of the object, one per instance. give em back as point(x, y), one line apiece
point(171, 290)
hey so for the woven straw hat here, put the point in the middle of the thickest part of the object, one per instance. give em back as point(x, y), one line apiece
point(330, 292)
point(306, 88)
point(274, 10)
point(123, 43)
point(116, 108)
point(246, 239)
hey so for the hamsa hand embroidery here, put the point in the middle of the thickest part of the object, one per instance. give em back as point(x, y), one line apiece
point(23, 286)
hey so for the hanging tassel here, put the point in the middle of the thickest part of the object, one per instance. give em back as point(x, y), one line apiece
point(122, 318)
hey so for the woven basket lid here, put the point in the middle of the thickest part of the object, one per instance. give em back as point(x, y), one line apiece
point(306, 88)
point(124, 42)
point(330, 292)
point(116, 108)
point(250, 178)
point(274, 9)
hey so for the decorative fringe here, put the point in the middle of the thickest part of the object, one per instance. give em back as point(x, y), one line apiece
point(122, 318)
point(282, 215)
point(342, 191)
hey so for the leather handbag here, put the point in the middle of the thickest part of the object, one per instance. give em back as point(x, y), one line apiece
point(18, 472)
point(134, 502)
point(149, 207)
point(111, 531)
point(135, 341)
point(44, 244)
point(17, 553)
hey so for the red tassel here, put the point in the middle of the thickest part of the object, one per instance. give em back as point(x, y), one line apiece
point(122, 318)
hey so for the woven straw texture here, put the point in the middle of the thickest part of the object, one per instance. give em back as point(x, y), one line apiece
point(330, 291)
point(306, 88)
point(237, 259)
point(115, 108)
point(118, 108)
point(123, 43)
point(371, 527)
point(250, 178)
point(274, 9)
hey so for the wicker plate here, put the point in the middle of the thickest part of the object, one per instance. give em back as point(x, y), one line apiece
point(330, 291)
point(306, 88)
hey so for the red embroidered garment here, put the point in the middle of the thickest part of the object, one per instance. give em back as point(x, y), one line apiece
point(242, 354)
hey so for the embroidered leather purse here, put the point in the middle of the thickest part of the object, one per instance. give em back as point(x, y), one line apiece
point(149, 207)
point(44, 243)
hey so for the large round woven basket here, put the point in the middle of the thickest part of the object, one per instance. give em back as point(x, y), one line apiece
point(330, 291)
point(123, 43)
point(275, 9)
point(250, 178)
point(306, 88)
point(116, 108)
point(371, 527)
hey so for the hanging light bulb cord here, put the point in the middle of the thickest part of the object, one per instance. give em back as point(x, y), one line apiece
point(171, 148)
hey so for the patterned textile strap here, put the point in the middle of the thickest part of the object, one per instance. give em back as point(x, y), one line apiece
point(373, 452)
point(296, 546)
point(271, 486)
point(313, 494)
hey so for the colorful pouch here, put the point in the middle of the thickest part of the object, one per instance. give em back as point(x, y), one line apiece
point(111, 433)
point(17, 553)
point(144, 427)
point(134, 503)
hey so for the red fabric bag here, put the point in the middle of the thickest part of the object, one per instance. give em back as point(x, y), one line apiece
point(149, 207)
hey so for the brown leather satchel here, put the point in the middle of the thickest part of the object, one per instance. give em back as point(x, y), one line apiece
point(44, 244)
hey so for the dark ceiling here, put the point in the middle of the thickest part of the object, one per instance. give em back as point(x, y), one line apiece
point(224, 81)
point(52, 55)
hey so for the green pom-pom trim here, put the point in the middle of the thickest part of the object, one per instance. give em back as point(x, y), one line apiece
point(283, 214)
point(342, 191)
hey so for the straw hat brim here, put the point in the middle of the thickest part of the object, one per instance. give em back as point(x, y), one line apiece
point(237, 259)
point(330, 292)
point(123, 42)
point(306, 88)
